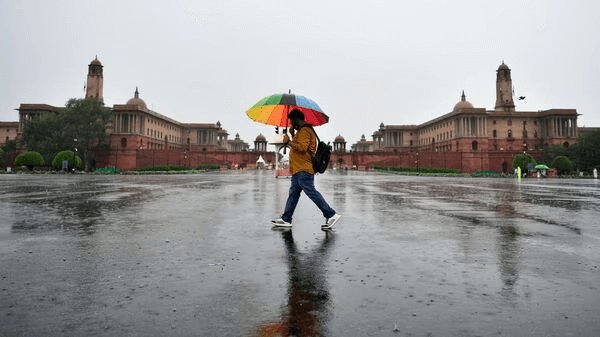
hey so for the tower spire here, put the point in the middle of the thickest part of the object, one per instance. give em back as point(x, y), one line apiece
point(504, 89)
point(95, 79)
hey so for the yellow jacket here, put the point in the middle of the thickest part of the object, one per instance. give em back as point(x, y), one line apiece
point(300, 158)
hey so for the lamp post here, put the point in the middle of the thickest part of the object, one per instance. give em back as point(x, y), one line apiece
point(74, 153)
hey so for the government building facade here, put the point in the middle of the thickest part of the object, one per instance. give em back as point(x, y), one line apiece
point(140, 137)
point(467, 138)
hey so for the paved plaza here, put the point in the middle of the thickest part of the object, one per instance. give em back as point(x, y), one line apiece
point(195, 255)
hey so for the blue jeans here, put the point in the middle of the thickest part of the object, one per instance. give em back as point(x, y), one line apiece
point(303, 181)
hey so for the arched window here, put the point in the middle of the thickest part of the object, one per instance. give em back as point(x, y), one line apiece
point(123, 142)
point(474, 145)
point(494, 133)
point(566, 144)
point(509, 133)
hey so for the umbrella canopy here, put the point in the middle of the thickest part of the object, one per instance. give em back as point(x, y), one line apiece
point(274, 109)
point(541, 167)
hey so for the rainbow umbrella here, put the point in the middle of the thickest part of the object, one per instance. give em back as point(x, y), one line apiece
point(274, 109)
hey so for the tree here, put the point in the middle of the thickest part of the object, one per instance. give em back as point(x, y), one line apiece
point(7, 152)
point(563, 164)
point(80, 126)
point(69, 156)
point(44, 134)
point(523, 161)
point(10, 146)
point(554, 151)
point(30, 159)
point(586, 151)
point(85, 121)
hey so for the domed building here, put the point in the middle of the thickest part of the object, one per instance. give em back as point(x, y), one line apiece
point(462, 104)
point(136, 100)
point(339, 144)
point(260, 143)
point(141, 137)
point(470, 138)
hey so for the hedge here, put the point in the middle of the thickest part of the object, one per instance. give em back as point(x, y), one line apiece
point(68, 155)
point(30, 159)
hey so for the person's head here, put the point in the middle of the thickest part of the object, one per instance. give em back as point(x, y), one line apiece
point(297, 118)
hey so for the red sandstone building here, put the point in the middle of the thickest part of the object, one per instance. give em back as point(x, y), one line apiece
point(140, 137)
point(467, 139)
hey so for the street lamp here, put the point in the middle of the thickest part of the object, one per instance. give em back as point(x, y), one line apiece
point(74, 153)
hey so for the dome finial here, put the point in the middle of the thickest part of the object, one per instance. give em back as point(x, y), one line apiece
point(463, 97)
point(137, 93)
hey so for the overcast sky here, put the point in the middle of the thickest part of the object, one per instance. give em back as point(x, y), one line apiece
point(363, 62)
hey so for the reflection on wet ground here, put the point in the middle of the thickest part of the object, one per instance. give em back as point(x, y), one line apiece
point(194, 255)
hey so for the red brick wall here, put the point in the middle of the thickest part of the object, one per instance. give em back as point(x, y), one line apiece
point(467, 161)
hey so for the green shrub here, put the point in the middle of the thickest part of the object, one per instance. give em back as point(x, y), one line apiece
point(523, 161)
point(562, 164)
point(69, 156)
point(415, 170)
point(208, 167)
point(1, 157)
point(107, 170)
point(486, 174)
point(30, 159)
point(162, 168)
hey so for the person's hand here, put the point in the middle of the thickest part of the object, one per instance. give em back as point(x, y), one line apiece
point(286, 139)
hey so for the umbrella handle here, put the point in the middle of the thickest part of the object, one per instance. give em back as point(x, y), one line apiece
point(286, 124)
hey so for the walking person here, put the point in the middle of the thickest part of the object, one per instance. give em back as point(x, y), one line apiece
point(303, 145)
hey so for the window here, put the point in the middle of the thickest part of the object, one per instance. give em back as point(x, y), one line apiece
point(474, 145)
point(509, 133)
point(123, 142)
point(495, 134)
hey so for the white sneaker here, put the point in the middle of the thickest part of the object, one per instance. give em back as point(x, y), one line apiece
point(331, 221)
point(281, 223)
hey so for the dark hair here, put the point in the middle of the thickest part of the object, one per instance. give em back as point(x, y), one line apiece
point(296, 114)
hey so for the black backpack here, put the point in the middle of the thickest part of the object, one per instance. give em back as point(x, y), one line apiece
point(321, 157)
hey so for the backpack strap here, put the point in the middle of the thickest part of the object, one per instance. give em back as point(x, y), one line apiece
point(318, 140)
point(315, 132)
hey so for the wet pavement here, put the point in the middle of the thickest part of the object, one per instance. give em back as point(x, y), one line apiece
point(194, 255)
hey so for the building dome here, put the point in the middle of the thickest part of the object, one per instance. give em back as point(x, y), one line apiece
point(462, 104)
point(136, 100)
point(503, 66)
point(260, 138)
point(339, 139)
point(95, 62)
point(377, 133)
